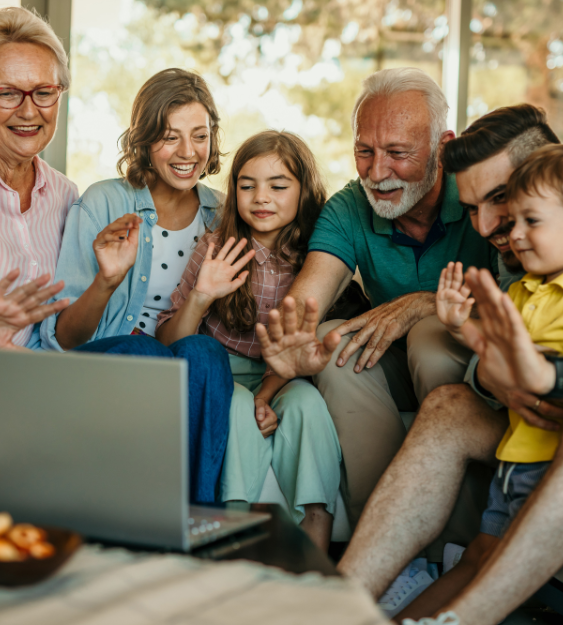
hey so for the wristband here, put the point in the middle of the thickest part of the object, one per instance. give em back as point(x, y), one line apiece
point(557, 391)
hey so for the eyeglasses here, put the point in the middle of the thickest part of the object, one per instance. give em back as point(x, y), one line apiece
point(42, 97)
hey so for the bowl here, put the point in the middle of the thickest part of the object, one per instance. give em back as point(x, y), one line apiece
point(32, 571)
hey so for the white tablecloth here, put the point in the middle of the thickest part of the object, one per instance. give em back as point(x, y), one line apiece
point(117, 587)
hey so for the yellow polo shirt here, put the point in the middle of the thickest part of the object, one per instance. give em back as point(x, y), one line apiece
point(541, 306)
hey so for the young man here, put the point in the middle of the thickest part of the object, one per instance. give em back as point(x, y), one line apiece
point(535, 211)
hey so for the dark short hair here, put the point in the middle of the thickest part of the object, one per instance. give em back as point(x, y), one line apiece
point(158, 97)
point(543, 168)
point(518, 129)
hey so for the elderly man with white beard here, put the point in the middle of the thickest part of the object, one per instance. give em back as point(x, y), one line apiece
point(399, 224)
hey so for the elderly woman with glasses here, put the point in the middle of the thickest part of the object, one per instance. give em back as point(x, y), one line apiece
point(34, 198)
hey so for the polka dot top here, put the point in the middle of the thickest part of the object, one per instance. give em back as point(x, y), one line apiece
point(170, 254)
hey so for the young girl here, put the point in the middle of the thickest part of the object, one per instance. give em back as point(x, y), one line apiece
point(274, 198)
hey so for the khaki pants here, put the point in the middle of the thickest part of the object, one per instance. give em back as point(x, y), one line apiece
point(365, 408)
point(435, 357)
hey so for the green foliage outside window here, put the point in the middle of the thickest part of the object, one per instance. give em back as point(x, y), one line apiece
point(298, 65)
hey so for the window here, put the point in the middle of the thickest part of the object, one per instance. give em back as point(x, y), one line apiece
point(285, 65)
point(517, 56)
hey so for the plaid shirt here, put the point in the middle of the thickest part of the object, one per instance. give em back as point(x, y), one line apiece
point(271, 280)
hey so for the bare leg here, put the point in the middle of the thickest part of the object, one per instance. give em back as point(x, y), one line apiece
point(524, 560)
point(453, 582)
point(415, 496)
point(318, 524)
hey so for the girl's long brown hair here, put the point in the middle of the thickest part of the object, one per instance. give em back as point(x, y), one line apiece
point(238, 311)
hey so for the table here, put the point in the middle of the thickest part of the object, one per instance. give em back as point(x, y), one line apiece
point(278, 542)
point(103, 586)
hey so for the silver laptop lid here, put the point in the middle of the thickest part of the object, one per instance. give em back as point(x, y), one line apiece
point(97, 444)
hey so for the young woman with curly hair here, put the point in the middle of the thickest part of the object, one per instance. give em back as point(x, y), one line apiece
point(125, 246)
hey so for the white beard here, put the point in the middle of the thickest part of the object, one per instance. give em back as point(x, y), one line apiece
point(413, 192)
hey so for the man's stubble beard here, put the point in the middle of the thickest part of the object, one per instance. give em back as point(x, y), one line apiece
point(413, 192)
point(509, 258)
point(511, 261)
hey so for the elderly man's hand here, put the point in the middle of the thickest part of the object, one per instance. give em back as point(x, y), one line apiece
point(383, 325)
point(510, 366)
point(22, 307)
point(291, 350)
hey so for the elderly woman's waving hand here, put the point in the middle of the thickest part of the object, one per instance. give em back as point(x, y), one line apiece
point(24, 306)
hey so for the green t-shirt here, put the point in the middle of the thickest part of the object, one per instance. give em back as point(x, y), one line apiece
point(390, 263)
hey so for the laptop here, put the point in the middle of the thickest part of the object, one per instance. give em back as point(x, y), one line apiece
point(99, 444)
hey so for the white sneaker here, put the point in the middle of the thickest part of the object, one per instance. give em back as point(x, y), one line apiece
point(414, 580)
point(447, 618)
point(452, 555)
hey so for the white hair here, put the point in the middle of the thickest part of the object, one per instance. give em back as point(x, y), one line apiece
point(19, 25)
point(387, 82)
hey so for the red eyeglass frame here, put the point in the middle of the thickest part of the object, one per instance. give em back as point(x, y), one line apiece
point(30, 94)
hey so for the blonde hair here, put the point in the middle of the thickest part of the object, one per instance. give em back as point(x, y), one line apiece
point(19, 25)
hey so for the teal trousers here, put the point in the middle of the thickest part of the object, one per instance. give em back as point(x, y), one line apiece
point(304, 450)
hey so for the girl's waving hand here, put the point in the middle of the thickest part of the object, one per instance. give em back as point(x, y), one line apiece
point(217, 275)
point(205, 280)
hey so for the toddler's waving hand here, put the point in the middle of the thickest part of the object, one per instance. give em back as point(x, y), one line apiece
point(453, 304)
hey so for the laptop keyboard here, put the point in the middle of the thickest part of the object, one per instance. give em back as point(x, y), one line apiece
point(202, 528)
point(208, 524)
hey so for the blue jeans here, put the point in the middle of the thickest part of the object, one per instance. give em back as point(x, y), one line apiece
point(210, 389)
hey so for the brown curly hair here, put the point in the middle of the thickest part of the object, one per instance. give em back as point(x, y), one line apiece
point(238, 310)
point(158, 97)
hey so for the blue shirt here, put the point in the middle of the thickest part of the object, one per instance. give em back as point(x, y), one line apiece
point(102, 204)
point(436, 232)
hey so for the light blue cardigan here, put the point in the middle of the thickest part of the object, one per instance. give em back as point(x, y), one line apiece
point(101, 204)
